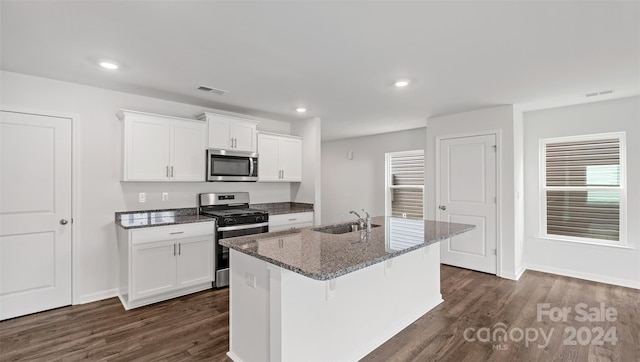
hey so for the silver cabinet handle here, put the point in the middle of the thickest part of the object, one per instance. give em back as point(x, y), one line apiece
point(167, 171)
point(176, 233)
point(179, 249)
point(64, 221)
point(442, 207)
point(235, 143)
point(171, 171)
point(283, 174)
point(174, 249)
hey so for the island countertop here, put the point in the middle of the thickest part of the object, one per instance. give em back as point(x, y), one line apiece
point(325, 256)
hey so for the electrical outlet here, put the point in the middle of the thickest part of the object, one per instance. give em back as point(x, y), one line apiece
point(250, 280)
point(165, 196)
point(142, 197)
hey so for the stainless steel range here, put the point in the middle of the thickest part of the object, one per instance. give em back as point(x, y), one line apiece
point(234, 218)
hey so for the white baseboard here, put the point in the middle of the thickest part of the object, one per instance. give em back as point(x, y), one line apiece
point(586, 276)
point(94, 297)
point(514, 276)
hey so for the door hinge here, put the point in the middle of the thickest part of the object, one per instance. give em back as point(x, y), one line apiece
point(495, 199)
point(495, 251)
point(495, 148)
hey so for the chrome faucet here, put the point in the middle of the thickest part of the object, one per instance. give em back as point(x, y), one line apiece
point(363, 223)
point(367, 220)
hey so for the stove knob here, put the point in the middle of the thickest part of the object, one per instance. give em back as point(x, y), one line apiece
point(259, 218)
point(229, 221)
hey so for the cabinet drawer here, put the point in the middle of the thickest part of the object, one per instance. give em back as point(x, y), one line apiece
point(274, 228)
point(171, 232)
point(287, 219)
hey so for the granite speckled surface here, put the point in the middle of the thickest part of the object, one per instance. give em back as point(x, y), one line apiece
point(276, 208)
point(324, 256)
point(150, 218)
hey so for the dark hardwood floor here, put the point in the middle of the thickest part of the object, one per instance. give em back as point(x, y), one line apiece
point(465, 327)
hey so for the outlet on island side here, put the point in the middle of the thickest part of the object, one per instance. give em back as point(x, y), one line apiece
point(165, 196)
point(142, 197)
point(250, 280)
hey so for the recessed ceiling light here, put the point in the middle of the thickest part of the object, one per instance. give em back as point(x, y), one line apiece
point(301, 109)
point(401, 83)
point(109, 65)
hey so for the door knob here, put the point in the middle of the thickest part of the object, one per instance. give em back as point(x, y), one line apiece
point(442, 207)
point(63, 222)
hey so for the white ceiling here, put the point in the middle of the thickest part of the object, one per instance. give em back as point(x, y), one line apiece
point(339, 58)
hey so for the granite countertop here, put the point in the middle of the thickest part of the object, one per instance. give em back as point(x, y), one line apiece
point(150, 218)
point(324, 256)
point(276, 208)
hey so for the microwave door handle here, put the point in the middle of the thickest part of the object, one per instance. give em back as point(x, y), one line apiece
point(250, 166)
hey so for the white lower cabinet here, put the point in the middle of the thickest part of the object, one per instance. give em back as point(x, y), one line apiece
point(153, 269)
point(195, 262)
point(164, 262)
point(296, 220)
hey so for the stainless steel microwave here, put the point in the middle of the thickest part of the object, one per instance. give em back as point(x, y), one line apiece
point(224, 165)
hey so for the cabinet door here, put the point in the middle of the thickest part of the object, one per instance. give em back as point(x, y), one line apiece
point(244, 135)
point(268, 169)
point(290, 157)
point(147, 150)
point(188, 150)
point(220, 130)
point(153, 269)
point(195, 261)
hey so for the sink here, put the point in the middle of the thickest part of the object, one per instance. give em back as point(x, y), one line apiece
point(341, 228)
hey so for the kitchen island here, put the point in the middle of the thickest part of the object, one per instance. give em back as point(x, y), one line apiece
point(315, 294)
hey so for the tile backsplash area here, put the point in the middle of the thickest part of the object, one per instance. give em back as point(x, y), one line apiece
point(184, 194)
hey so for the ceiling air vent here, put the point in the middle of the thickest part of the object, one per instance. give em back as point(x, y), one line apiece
point(217, 91)
point(599, 93)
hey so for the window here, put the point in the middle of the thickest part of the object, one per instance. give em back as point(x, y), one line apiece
point(583, 188)
point(405, 184)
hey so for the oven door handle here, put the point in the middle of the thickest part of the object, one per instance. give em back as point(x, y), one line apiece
point(242, 227)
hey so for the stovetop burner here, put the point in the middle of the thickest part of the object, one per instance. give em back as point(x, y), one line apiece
point(231, 209)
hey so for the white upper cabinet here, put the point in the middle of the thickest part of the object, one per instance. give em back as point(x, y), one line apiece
point(162, 148)
point(280, 158)
point(230, 133)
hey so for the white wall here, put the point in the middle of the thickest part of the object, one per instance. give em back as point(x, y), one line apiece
point(599, 263)
point(359, 183)
point(500, 119)
point(100, 147)
point(309, 190)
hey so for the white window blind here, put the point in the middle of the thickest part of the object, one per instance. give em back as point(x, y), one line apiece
point(583, 188)
point(405, 181)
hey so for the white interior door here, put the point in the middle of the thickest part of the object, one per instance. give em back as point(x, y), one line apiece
point(35, 213)
point(467, 195)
